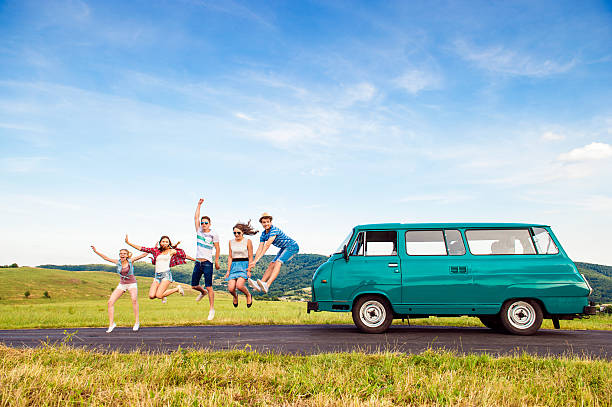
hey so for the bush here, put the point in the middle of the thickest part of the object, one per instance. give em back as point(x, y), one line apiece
point(27, 294)
point(607, 309)
point(46, 294)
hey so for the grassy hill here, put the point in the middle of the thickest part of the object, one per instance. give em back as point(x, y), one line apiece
point(600, 278)
point(297, 275)
point(293, 277)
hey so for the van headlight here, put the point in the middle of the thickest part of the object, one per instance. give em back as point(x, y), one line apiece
point(587, 283)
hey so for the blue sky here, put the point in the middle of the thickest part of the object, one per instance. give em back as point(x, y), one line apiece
point(115, 117)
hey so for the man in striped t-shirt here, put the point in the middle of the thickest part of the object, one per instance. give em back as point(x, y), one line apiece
point(207, 240)
point(272, 236)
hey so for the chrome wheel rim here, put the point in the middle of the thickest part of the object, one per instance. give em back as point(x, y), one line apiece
point(373, 314)
point(521, 315)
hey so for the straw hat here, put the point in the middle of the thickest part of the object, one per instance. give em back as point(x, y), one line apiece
point(265, 215)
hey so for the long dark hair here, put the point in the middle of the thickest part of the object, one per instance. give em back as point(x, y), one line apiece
point(246, 228)
point(170, 246)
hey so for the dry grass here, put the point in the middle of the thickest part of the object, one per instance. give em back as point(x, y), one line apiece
point(62, 375)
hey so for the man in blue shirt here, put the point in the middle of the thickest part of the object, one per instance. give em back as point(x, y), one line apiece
point(272, 236)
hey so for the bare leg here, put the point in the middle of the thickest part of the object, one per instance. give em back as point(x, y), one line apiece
point(134, 295)
point(111, 305)
point(153, 290)
point(240, 285)
point(199, 288)
point(268, 271)
point(211, 297)
point(162, 290)
point(273, 274)
point(231, 287)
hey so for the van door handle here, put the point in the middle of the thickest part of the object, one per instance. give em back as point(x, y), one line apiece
point(458, 269)
point(392, 264)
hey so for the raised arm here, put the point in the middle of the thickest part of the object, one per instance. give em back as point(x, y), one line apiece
point(217, 252)
point(263, 248)
point(131, 244)
point(140, 256)
point(103, 256)
point(197, 214)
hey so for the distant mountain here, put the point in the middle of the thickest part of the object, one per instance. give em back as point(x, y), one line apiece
point(600, 278)
point(298, 274)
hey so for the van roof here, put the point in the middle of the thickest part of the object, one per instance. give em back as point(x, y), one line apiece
point(446, 225)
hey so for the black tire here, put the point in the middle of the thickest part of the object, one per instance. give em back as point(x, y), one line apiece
point(492, 322)
point(372, 314)
point(521, 317)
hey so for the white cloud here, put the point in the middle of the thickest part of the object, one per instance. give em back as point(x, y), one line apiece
point(502, 60)
point(590, 152)
point(415, 81)
point(362, 92)
point(243, 116)
point(550, 136)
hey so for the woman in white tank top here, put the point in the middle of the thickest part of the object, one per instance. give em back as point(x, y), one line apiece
point(165, 255)
point(240, 262)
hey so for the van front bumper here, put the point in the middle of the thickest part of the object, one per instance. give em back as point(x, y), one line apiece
point(312, 306)
point(590, 310)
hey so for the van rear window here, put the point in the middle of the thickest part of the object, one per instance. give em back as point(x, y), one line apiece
point(544, 242)
point(500, 241)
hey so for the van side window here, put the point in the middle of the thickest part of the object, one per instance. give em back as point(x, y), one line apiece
point(500, 241)
point(544, 242)
point(425, 243)
point(375, 243)
point(381, 243)
point(454, 242)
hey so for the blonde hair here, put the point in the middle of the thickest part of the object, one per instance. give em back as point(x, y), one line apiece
point(128, 252)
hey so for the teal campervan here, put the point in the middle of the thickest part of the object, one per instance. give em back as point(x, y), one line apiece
point(511, 276)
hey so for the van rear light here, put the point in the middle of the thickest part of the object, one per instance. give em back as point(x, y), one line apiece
point(587, 283)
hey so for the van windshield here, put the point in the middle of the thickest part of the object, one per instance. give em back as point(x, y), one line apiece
point(344, 242)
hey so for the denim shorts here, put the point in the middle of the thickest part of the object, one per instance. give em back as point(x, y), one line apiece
point(164, 275)
point(199, 268)
point(286, 253)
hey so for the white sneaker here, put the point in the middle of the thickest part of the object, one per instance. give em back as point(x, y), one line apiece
point(254, 285)
point(180, 288)
point(164, 300)
point(136, 327)
point(263, 285)
point(111, 327)
point(211, 314)
point(202, 295)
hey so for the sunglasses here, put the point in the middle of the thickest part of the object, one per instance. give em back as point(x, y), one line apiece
point(204, 223)
point(237, 233)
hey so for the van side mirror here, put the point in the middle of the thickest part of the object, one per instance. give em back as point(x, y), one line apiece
point(345, 254)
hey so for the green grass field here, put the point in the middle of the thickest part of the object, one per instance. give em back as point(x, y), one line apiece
point(65, 376)
point(78, 299)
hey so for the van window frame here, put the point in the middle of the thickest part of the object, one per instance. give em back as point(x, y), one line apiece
point(365, 237)
point(443, 230)
point(528, 228)
point(532, 234)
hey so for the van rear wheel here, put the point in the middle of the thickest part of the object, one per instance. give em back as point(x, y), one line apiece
point(372, 314)
point(521, 317)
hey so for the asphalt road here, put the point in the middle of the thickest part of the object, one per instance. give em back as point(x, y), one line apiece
point(312, 339)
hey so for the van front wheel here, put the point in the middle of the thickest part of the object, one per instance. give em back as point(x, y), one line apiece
point(521, 317)
point(372, 314)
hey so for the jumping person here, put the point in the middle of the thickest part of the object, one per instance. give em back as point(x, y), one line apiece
point(207, 239)
point(127, 282)
point(240, 261)
point(272, 236)
point(164, 257)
